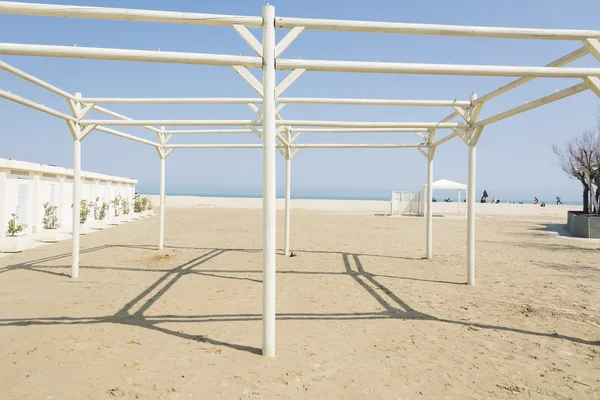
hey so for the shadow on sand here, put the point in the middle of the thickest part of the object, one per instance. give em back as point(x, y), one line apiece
point(394, 307)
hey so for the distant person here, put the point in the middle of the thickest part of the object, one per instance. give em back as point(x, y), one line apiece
point(536, 200)
point(558, 200)
point(433, 200)
point(485, 196)
point(493, 200)
point(543, 204)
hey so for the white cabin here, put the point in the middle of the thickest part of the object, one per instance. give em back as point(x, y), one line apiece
point(25, 187)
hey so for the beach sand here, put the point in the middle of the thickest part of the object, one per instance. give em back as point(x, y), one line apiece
point(361, 315)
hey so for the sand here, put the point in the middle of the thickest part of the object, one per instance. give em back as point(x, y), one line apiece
point(360, 314)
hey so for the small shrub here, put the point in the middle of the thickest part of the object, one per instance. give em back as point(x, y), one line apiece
point(116, 203)
point(137, 204)
point(125, 207)
point(145, 201)
point(50, 220)
point(14, 227)
point(84, 211)
point(150, 205)
point(103, 209)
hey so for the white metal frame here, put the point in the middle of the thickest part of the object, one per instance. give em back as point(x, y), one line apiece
point(274, 126)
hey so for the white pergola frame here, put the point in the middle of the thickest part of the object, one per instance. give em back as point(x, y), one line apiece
point(274, 126)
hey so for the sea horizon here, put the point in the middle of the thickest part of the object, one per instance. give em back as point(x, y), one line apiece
point(570, 202)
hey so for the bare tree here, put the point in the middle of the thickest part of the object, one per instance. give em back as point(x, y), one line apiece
point(580, 159)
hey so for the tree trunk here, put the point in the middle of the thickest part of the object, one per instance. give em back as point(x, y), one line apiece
point(586, 199)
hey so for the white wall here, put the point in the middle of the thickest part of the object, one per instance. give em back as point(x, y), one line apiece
point(25, 187)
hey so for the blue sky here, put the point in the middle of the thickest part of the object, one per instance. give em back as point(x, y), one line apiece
point(515, 158)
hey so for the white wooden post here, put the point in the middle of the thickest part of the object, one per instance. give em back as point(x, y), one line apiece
point(76, 188)
point(3, 222)
point(430, 204)
point(269, 210)
point(471, 204)
point(288, 205)
point(161, 232)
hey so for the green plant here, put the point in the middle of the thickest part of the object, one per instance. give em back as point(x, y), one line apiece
point(14, 227)
point(96, 208)
point(103, 209)
point(125, 207)
point(50, 220)
point(84, 211)
point(137, 204)
point(145, 201)
point(116, 203)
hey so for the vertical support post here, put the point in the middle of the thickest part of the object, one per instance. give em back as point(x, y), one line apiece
point(471, 201)
point(269, 210)
point(288, 182)
point(3, 222)
point(161, 231)
point(429, 204)
point(76, 189)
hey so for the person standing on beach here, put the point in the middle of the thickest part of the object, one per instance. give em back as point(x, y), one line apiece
point(558, 200)
point(535, 200)
point(484, 197)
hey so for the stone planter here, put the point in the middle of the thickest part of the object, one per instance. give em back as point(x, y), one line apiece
point(125, 217)
point(143, 214)
point(49, 235)
point(114, 220)
point(97, 224)
point(583, 225)
point(150, 213)
point(135, 216)
point(13, 244)
point(83, 229)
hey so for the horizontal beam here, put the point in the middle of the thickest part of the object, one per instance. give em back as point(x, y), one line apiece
point(214, 146)
point(39, 107)
point(169, 122)
point(210, 131)
point(434, 29)
point(372, 102)
point(567, 59)
point(126, 136)
point(570, 91)
point(124, 14)
point(357, 146)
point(170, 100)
point(345, 124)
point(445, 139)
point(36, 81)
point(95, 53)
point(360, 130)
point(122, 117)
point(435, 69)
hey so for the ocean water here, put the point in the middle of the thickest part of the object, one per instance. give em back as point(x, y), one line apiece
point(380, 197)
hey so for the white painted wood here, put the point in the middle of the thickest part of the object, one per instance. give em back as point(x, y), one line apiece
point(124, 14)
point(445, 139)
point(362, 130)
point(95, 53)
point(471, 189)
point(423, 152)
point(249, 78)
point(36, 81)
point(352, 124)
point(287, 81)
point(429, 211)
point(171, 100)
point(534, 104)
point(249, 38)
point(593, 46)
point(162, 204)
point(593, 83)
point(168, 122)
point(432, 69)
point(39, 107)
point(122, 117)
point(126, 136)
point(287, 40)
point(435, 29)
point(269, 206)
point(357, 146)
point(373, 102)
point(288, 182)
point(461, 111)
point(214, 146)
point(210, 131)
